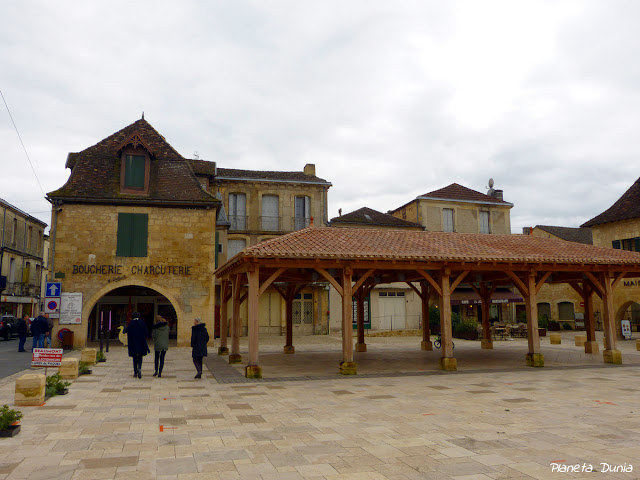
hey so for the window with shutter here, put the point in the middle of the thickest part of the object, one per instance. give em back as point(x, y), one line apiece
point(616, 244)
point(484, 222)
point(447, 220)
point(302, 213)
point(132, 235)
point(134, 171)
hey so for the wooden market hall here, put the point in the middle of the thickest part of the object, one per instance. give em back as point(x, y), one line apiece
point(353, 261)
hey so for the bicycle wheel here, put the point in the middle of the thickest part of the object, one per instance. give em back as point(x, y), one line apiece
point(437, 343)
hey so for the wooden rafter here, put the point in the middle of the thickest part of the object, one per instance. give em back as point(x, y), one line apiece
point(617, 279)
point(362, 279)
point(542, 280)
point(518, 283)
point(270, 280)
point(459, 279)
point(597, 285)
point(430, 279)
point(330, 279)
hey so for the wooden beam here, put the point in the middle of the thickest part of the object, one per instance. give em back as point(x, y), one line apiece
point(617, 279)
point(598, 287)
point(542, 280)
point(270, 280)
point(459, 279)
point(280, 291)
point(578, 289)
point(430, 279)
point(415, 289)
point(518, 283)
point(362, 279)
point(331, 280)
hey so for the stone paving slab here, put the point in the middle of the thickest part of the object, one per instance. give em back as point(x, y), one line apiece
point(401, 419)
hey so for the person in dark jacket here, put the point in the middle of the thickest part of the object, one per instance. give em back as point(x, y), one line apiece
point(39, 328)
point(22, 332)
point(160, 336)
point(137, 342)
point(199, 340)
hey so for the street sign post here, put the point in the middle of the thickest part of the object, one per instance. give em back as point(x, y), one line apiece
point(52, 306)
point(53, 289)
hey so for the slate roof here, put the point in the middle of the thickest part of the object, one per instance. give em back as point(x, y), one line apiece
point(425, 246)
point(459, 192)
point(370, 217)
point(626, 208)
point(232, 173)
point(95, 172)
point(578, 235)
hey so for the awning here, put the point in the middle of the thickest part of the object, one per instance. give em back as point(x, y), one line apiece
point(465, 296)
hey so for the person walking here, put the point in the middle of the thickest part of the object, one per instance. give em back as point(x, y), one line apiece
point(160, 334)
point(22, 332)
point(199, 340)
point(39, 328)
point(47, 336)
point(137, 342)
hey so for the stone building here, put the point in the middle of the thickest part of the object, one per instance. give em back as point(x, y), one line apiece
point(21, 259)
point(259, 205)
point(132, 229)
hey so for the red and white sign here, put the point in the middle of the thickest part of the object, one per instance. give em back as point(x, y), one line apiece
point(46, 357)
point(582, 304)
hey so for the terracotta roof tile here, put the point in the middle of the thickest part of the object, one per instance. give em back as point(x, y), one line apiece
point(578, 235)
point(626, 208)
point(357, 243)
point(95, 174)
point(459, 192)
point(372, 218)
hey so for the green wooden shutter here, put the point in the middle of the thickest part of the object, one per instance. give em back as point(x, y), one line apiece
point(636, 246)
point(616, 244)
point(124, 235)
point(140, 222)
point(217, 243)
point(134, 171)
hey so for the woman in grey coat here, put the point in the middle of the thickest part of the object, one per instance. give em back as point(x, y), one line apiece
point(160, 333)
point(199, 339)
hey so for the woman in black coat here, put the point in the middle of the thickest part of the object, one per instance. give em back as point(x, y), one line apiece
point(137, 342)
point(199, 340)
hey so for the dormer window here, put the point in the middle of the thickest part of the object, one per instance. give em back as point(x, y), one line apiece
point(134, 174)
point(135, 156)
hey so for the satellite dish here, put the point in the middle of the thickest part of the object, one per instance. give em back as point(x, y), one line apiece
point(491, 183)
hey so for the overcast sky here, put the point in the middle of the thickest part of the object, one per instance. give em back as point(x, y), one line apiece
point(390, 100)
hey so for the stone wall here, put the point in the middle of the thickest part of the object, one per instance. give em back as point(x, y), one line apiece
point(179, 262)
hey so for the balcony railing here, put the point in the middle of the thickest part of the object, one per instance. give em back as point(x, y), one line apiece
point(238, 222)
point(299, 223)
point(270, 224)
point(20, 289)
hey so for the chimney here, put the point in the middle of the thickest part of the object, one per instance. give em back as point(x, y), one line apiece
point(497, 194)
point(310, 169)
point(527, 230)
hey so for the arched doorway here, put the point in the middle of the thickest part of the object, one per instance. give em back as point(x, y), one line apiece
point(629, 311)
point(115, 307)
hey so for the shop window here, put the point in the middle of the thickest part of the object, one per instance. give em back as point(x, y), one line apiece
point(132, 234)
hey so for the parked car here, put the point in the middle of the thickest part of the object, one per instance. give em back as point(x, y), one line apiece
point(8, 326)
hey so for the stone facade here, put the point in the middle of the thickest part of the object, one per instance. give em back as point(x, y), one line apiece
point(179, 264)
point(21, 261)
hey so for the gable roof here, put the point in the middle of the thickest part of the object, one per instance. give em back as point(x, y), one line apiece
point(459, 193)
point(578, 235)
point(369, 217)
point(95, 172)
point(625, 208)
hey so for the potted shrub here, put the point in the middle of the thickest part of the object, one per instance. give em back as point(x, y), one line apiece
point(543, 324)
point(100, 356)
point(83, 368)
point(56, 386)
point(9, 419)
point(553, 326)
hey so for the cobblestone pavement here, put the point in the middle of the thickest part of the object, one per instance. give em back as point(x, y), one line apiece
point(399, 418)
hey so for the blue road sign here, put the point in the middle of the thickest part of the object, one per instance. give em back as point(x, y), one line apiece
point(53, 289)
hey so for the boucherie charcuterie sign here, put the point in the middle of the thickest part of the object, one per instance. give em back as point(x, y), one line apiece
point(133, 269)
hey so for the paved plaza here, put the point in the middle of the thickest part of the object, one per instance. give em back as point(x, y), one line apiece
point(399, 418)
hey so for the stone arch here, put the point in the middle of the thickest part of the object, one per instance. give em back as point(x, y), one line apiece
point(88, 306)
point(620, 314)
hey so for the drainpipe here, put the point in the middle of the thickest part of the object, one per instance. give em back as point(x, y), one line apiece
point(4, 227)
point(24, 249)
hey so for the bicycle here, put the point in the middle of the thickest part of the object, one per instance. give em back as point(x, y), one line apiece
point(438, 342)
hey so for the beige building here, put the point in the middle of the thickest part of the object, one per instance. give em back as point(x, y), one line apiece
point(21, 259)
point(454, 208)
point(257, 206)
point(133, 230)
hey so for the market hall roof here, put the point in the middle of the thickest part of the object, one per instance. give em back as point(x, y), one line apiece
point(95, 172)
point(626, 207)
point(369, 217)
point(424, 249)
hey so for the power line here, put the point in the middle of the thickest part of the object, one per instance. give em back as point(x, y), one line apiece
point(21, 143)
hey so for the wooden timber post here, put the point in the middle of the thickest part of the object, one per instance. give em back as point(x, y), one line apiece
point(534, 357)
point(447, 361)
point(252, 369)
point(591, 345)
point(290, 295)
point(425, 293)
point(610, 354)
point(223, 349)
point(360, 296)
point(348, 366)
point(485, 294)
point(234, 356)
